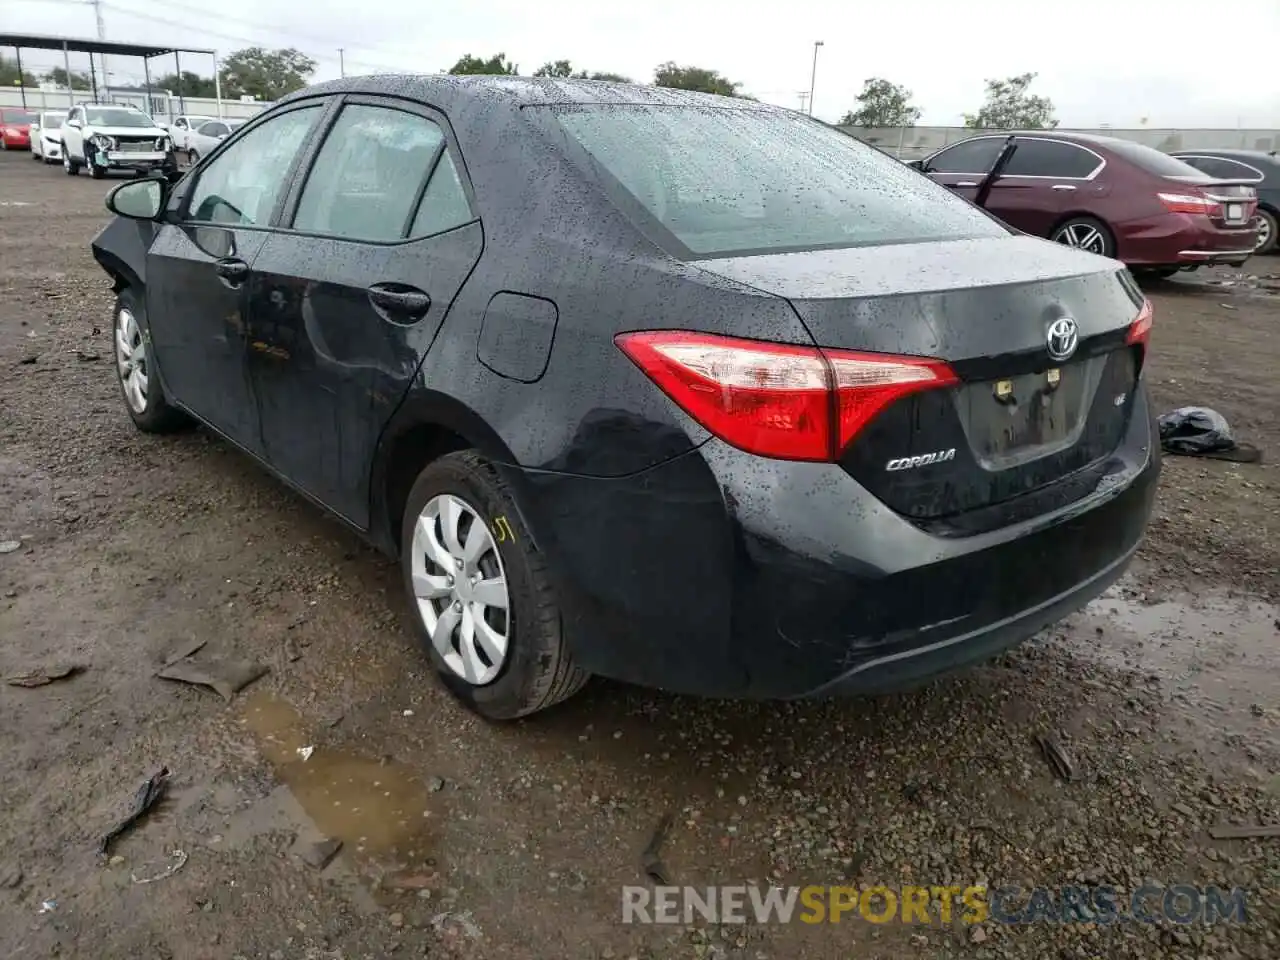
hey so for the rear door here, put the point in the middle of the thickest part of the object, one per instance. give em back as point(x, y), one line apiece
point(1044, 179)
point(347, 301)
point(199, 269)
point(962, 167)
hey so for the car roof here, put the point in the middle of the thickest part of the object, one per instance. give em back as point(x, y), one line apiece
point(447, 90)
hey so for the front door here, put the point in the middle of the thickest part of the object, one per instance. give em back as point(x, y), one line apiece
point(199, 269)
point(962, 167)
point(345, 306)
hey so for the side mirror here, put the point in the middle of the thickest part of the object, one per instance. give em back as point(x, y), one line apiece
point(137, 200)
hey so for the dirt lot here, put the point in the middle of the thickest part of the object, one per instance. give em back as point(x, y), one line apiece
point(463, 839)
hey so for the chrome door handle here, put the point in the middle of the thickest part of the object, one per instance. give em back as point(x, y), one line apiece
point(966, 183)
point(1063, 186)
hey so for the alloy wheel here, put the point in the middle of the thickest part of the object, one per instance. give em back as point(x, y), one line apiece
point(460, 588)
point(131, 360)
point(1083, 236)
point(1264, 233)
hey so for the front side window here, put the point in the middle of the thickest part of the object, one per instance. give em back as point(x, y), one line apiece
point(244, 181)
point(1050, 158)
point(369, 174)
point(972, 156)
point(723, 181)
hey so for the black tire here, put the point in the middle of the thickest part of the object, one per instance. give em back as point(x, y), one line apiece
point(538, 671)
point(1274, 223)
point(97, 172)
point(69, 165)
point(192, 158)
point(156, 416)
point(1106, 244)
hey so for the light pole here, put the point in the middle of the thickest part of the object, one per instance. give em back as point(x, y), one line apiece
point(813, 79)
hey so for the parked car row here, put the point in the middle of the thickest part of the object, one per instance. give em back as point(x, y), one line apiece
point(106, 137)
point(1154, 211)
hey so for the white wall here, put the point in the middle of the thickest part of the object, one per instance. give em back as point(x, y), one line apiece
point(37, 99)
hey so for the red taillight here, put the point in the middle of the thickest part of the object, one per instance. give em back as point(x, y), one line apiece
point(1190, 201)
point(778, 400)
point(1140, 329)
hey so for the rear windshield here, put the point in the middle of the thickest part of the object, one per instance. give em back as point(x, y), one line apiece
point(1152, 160)
point(732, 181)
point(51, 121)
point(118, 118)
point(16, 116)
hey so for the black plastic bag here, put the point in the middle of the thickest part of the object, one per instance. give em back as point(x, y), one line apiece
point(1201, 432)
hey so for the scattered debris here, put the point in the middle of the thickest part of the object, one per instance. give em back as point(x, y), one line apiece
point(396, 920)
point(1183, 809)
point(435, 784)
point(650, 861)
point(41, 676)
point(316, 853)
point(29, 360)
point(1201, 432)
point(179, 861)
point(226, 676)
point(440, 923)
point(977, 935)
point(10, 876)
point(48, 906)
point(10, 546)
point(1057, 757)
point(1226, 306)
point(408, 713)
point(86, 357)
point(305, 753)
point(411, 881)
point(1245, 833)
point(291, 651)
point(334, 720)
point(183, 650)
point(147, 797)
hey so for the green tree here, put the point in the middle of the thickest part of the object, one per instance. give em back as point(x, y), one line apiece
point(563, 68)
point(694, 78)
point(79, 80)
point(9, 75)
point(497, 65)
point(882, 104)
point(1010, 107)
point(193, 85)
point(265, 74)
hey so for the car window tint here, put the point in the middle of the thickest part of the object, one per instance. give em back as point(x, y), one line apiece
point(243, 183)
point(972, 156)
point(723, 181)
point(1048, 158)
point(1150, 159)
point(1225, 168)
point(214, 129)
point(444, 204)
point(368, 174)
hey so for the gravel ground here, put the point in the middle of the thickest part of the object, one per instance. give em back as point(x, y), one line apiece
point(463, 839)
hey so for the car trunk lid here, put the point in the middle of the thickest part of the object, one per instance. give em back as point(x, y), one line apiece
point(1228, 203)
point(1034, 406)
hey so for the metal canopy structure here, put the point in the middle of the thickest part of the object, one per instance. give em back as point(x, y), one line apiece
point(143, 51)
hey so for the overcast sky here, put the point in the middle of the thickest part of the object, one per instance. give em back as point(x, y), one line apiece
point(1172, 62)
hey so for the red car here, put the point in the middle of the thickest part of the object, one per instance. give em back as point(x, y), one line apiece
point(1106, 195)
point(15, 129)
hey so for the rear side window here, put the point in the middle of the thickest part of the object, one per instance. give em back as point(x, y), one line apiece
point(214, 129)
point(444, 203)
point(733, 181)
point(369, 174)
point(1151, 160)
point(1050, 158)
point(971, 156)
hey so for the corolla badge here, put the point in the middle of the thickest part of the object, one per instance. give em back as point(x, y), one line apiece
point(1062, 338)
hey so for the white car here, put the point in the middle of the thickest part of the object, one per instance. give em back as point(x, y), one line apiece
point(46, 136)
point(105, 137)
point(207, 136)
point(182, 128)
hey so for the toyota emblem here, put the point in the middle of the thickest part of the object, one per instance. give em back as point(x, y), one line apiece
point(1062, 338)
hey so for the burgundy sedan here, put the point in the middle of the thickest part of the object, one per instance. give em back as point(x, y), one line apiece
point(1110, 196)
point(15, 129)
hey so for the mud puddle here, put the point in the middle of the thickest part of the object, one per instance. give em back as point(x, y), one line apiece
point(1214, 654)
point(377, 807)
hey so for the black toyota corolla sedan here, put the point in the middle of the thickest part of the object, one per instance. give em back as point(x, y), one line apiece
point(682, 390)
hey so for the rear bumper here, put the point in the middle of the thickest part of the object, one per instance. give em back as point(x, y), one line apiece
point(1176, 239)
point(722, 574)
